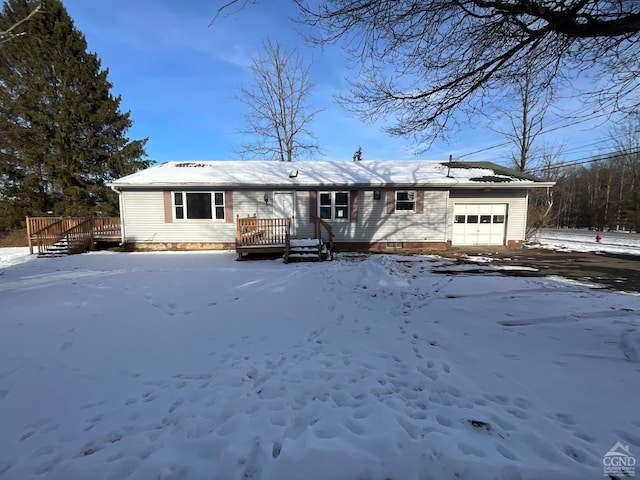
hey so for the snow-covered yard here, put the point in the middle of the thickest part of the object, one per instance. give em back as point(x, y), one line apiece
point(195, 366)
point(585, 241)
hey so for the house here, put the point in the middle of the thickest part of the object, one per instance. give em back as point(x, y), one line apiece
point(368, 205)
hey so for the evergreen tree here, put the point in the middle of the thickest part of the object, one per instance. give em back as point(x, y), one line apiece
point(62, 134)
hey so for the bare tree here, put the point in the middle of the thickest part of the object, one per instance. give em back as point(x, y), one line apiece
point(9, 33)
point(541, 202)
point(423, 61)
point(626, 143)
point(278, 117)
point(525, 120)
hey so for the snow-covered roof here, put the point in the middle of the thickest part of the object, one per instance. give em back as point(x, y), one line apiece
point(260, 173)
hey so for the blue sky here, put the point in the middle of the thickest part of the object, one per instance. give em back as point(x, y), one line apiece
point(180, 77)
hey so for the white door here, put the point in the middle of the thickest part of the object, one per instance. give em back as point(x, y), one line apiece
point(284, 205)
point(483, 224)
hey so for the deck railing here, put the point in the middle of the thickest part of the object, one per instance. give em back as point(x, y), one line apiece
point(261, 231)
point(44, 232)
point(106, 227)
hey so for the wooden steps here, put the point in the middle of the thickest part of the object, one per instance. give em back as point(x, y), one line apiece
point(306, 250)
point(58, 249)
point(66, 246)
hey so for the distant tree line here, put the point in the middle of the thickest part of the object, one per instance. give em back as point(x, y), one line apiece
point(602, 195)
point(601, 192)
point(62, 134)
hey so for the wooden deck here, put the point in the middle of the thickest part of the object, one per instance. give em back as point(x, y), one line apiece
point(273, 235)
point(261, 235)
point(77, 234)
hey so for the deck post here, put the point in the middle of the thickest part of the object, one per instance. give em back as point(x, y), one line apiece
point(29, 236)
point(92, 234)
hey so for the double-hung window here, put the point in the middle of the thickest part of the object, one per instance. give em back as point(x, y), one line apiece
point(198, 205)
point(334, 205)
point(405, 201)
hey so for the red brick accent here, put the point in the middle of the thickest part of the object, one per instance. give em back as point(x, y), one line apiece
point(168, 208)
point(313, 204)
point(382, 246)
point(228, 207)
point(391, 201)
point(353, 198)
point(420, 201)
point(514, 243)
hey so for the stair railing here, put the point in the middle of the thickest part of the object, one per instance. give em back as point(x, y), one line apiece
point(44, 232)
point(80, 237)
point(287, 243)
point(52, 233)
point(318, 226)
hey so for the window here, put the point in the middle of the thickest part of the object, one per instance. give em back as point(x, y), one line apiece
point(459, 219)
point(334, 205)
point(405, 201)
point(485, 218)
point(472, 218)
point(498, 219)
point(198, 205)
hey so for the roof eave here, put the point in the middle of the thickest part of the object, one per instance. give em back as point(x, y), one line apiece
point(262, 186)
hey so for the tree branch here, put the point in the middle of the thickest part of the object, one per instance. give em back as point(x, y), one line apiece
point(7, 34)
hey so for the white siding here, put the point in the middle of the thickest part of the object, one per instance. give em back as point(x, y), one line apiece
point(144, 222)
point(376, 225)
point(516, 201)
point(144, 217)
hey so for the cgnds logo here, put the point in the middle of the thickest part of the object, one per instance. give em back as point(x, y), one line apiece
point(619, 461)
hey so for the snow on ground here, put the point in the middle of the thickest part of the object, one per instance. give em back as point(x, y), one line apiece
point(13, 256)
point(585, 241)
point(195, 366)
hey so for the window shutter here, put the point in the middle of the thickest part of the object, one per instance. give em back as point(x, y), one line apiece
point(228, 207)
point(313, 204)
point(391, 201)
point(353, 199)
point(168, 207)
point(419, 201)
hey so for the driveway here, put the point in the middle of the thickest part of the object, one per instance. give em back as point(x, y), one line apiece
point(613, 271)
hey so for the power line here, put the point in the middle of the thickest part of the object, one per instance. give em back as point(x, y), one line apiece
point(583, 161)
point(542, 132)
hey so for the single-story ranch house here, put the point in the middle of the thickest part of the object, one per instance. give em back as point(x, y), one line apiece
point(369, 205)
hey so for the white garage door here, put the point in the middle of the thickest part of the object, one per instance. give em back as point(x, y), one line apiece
point(482, 224)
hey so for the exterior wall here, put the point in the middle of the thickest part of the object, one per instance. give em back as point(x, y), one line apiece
point(148, 219)
point(516, 201)
point(375, 226)
point(385, 247)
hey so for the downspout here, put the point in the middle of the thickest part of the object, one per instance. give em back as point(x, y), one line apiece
point(526, 218)
point(446, 220)
point(121, 208)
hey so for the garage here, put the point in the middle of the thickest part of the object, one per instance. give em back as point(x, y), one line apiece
point(479, 224)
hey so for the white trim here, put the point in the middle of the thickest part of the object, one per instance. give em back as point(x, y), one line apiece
point(334, 207)
point(414, 201)
point(184, 218)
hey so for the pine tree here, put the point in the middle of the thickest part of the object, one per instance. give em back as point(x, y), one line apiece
point(62, 134)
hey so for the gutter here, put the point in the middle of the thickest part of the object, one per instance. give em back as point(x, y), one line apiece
point(333, 186)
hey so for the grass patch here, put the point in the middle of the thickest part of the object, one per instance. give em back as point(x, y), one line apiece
point(15, 238)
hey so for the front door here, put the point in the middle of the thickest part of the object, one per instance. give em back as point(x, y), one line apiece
point(284, 206)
